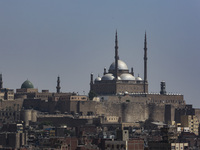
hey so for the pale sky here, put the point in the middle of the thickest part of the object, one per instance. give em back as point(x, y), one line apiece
point(40, 40)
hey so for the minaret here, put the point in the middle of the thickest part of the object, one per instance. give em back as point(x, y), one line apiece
point(132, 71)
point(104, 72)
point(1, 82)
point(163, 88)
point(116, 57)
point(91, 81)
point(58, 85)
point(145, 62)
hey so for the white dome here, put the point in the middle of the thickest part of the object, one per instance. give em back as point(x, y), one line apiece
point(98, 79)
point(121, 65)
point(108, 76)
point(127, 76)
point(138, 79)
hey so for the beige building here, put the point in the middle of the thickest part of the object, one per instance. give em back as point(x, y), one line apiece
point(78, 98)
point(179, 146)
point(111, 119)
point(192, 122)
point(159, 145)
point(6, 94)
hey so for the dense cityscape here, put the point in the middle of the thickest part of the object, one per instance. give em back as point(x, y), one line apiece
point(119, 112)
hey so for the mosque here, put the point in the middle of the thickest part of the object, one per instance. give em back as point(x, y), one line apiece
point(119, 79)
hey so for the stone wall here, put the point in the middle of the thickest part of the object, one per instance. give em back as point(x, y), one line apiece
point(14, 104)
point(132, 109)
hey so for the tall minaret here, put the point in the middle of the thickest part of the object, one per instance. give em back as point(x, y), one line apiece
point(1, 82)
point(116, 57)
point(91, 81)
point(58, 85)
point(145, 62)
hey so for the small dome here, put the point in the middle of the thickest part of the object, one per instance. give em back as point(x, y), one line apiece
point(138, 79)
point(118, 78)
point(127, 76)
point(97, 79)
point(27, 85)
point(108, 76)
point(121, 65)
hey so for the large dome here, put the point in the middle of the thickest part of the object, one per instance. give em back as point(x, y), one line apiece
point(127, 76)
point(121, 65)
point(27, 85)
point(108, 76)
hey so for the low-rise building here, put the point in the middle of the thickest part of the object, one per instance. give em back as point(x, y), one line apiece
point(192, 122)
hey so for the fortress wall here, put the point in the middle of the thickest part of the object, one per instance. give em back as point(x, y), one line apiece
point(133, 112)
point(63, 106)
point(128, 111)
point(73, 106)
point(49, 106)
point(11, 103)
point(108, 109)
point(87, 106)
point(156, 112)
point(176, 100)
point(32, 103)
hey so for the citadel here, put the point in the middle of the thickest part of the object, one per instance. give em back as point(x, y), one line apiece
point(117, 93)
point(118, 97)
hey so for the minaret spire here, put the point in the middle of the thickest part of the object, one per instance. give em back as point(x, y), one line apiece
point(145, 62)
point(58, 85)
point(1, 82)
point(116, 56)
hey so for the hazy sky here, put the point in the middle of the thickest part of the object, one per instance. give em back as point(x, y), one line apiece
point(40, 40)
